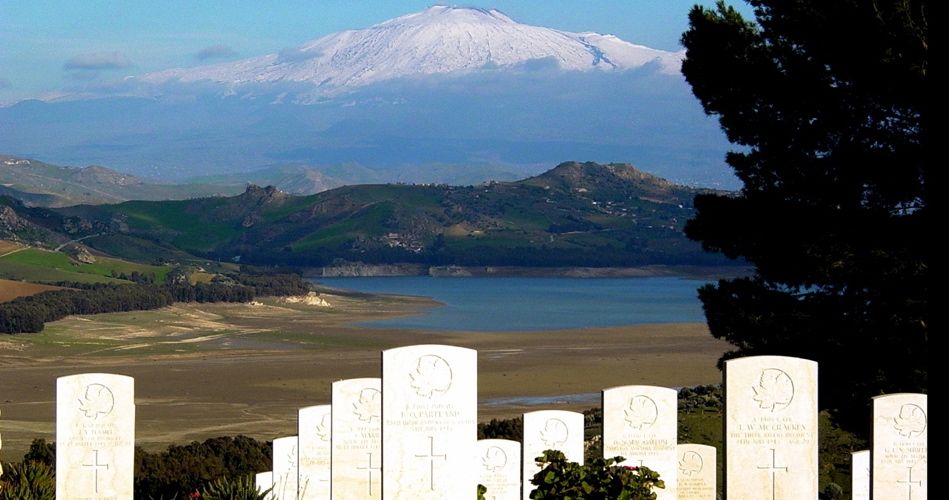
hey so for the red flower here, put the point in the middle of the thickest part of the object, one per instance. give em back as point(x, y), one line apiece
point(630, 467)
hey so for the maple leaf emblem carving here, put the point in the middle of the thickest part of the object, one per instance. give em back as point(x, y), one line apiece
point(96, 400)
point(494, 459)
point(324, 428)
point(911, 421)
point(690, 464)
point(641, 412)
point(432, 376)
point(554, 433)
point(369, 405)
point(774, 390)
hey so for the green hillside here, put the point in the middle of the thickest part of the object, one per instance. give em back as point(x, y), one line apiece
point(577, 214)
point(38, 265)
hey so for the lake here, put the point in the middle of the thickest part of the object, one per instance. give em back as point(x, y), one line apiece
point(529, 304)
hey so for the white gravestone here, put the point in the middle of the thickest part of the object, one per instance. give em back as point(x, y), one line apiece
point(429, 422)
point(264, 482)
point(860, 475)
point(696, 474)
point(550, 430)
point(640, 424)
point(95, 436)
point(357, 439)
point(900, 452)
point(771, 428)
point(499, 468)
point(286, 470)
point(314, 433)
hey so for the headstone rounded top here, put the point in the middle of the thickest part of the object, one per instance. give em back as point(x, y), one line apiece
point(97, 394)
point(316, 408)
point(695, 446)
point(904, 395)
point(642, 389)
point(777, 380)
point(107, 379)
point(554, 425)
point(778, 361)
point(431, 368)
point(905, 413)
point(112, 376)
point(431, 348)
point(640, 403)
point(367, 381)
point(552, 414)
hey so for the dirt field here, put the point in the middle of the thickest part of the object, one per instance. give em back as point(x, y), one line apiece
point(10, 290)
point(8, 246)
point(224, 369)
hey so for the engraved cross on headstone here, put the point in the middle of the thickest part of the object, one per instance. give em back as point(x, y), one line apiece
point(369, 468)
point(95, 465)
point(773, 467)
point(909, 483)
point(431, 457)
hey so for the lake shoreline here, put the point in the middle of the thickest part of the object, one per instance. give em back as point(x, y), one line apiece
point(519, 304)
point(358, 270)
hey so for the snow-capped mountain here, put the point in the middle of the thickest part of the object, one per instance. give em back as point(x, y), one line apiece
point(453, 95)
point(437, 40)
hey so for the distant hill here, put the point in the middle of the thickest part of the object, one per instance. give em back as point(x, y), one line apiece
point(577, 214)
point(307, 179)
point(42, 184)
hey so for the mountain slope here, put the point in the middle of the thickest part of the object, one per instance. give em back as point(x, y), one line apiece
point(437, 40)
point(576, 214)
point(42, 184)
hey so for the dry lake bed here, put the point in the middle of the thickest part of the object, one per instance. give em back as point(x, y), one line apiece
point(207, 370)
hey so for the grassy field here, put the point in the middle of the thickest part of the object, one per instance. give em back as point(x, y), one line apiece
point(224, 369)
point(37, 265)
point(10, 290)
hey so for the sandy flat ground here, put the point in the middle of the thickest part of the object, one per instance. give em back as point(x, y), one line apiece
point(206, 370)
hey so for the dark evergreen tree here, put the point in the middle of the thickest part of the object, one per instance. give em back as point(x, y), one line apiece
point(827, 101)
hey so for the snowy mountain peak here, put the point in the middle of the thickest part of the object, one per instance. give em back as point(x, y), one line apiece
point(442, 13)
point(437, 40)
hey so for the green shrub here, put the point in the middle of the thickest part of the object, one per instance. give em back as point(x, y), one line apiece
point(240, 488)
point(600, 479)
point(28, 480)
point(184, 469)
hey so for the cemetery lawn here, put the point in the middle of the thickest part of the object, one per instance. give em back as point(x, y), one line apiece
point(208, 370)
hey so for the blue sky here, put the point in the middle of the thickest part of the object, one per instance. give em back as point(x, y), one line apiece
point(49, 46)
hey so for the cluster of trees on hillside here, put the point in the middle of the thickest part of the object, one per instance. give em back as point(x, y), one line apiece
point(274, 285)
point(29, 314)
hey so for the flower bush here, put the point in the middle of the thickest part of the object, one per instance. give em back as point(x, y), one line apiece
point(599, 479)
